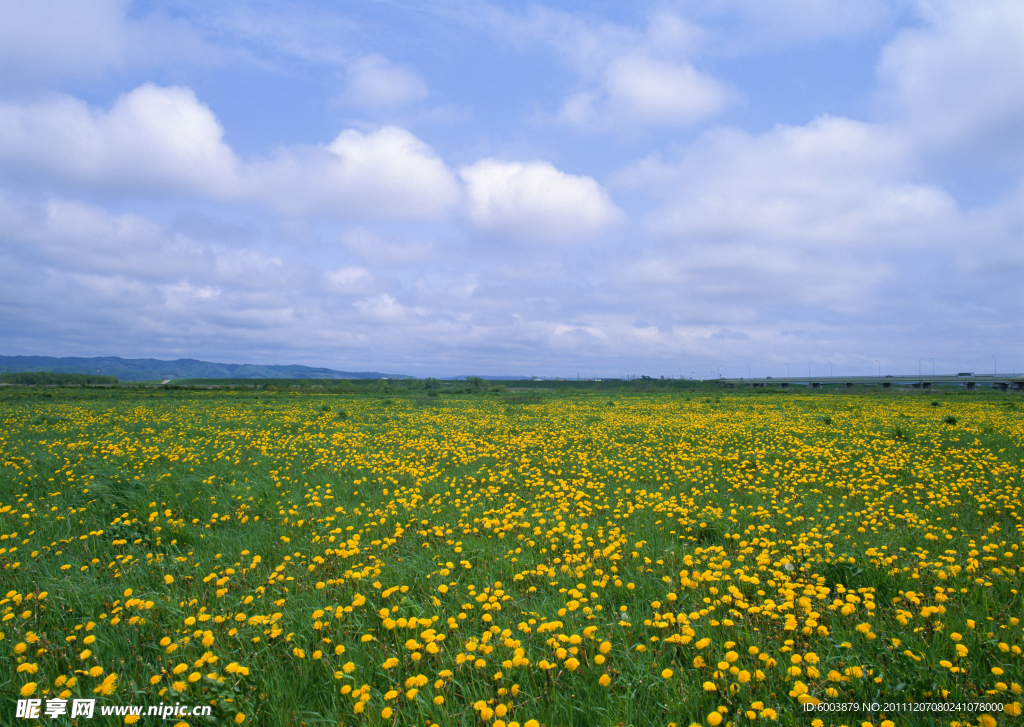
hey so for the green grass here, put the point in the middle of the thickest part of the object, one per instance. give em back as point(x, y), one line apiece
point(705, 514)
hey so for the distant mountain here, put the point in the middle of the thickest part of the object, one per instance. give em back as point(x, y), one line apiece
point(147, 369)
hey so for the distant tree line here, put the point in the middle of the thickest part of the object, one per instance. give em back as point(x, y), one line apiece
point(49, 378)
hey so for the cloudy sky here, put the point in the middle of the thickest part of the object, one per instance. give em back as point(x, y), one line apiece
point(447, 187)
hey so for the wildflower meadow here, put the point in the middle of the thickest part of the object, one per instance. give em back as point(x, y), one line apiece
point(493, 559)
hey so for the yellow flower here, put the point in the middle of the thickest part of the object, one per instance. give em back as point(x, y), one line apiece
point(572, 664)
point(108, 686)
point(666, 674)
point(168, 579)
point(239, 718)
point(605, 680)
point(28, 689)
point(714, 719)
point(386, 713)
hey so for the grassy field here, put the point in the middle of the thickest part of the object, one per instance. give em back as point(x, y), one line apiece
point(542, 558)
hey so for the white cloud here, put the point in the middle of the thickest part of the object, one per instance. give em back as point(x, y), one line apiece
point(151, 139)
point(387, 173)
point(783, 22)
point(158, 140)
point(41, 39)
point(534, 201)
point(957, 84)
point(629, 78)
point(375, 82)
point(350, 281)
point(833, 182)
point(378, 250)
point(381, 308)
point(639, 91)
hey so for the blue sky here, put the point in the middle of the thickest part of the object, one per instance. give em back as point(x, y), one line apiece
point(441, 188)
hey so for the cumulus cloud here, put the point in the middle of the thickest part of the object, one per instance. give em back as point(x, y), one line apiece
point(350, 281)
point(158, 140)
point(381, 309)
point(42, 39)
point(822, 215)
point(957, 84)
point(834, 181)
point(80, 238)
point(375, 82)
point(151, 139)
point(388, 173)
point(534, 201)
point(642, 91)
point(629, 78)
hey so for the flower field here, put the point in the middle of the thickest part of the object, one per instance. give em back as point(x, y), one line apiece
point(560, 559)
